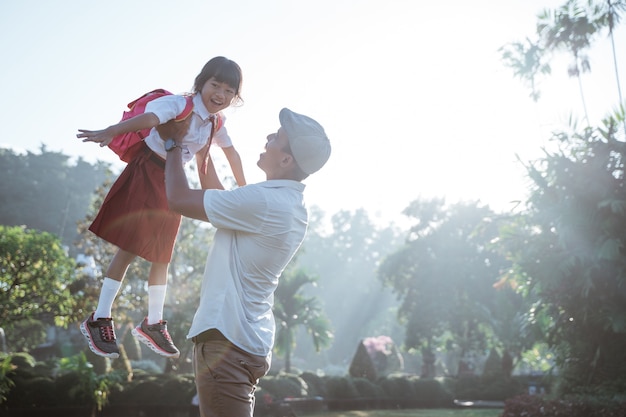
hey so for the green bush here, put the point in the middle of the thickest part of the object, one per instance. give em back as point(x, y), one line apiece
point(397, 387)
point(282, 386)
point(315, 384)
point(179, 390)
point(340, 388)
point(432, 390)
point(33, 392)
point(367, 388)
point(468, 388)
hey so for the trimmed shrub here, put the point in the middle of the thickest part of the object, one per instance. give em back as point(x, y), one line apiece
point(428, 390)
point(315, 384)
point(367, 389)
point(338, 387)
point(33, 392)
point(179, 390)
point(468, 388)
point(282, 386)
point(397, 387)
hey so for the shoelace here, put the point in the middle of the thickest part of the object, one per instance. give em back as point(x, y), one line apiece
point(166, 334)
point(107, 333)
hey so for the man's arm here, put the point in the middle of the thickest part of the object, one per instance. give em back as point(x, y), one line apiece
point(180, 198)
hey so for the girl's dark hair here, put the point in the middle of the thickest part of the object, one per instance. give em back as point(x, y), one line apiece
point(225, 71)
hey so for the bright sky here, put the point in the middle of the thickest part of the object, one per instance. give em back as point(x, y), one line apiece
point(413, 94)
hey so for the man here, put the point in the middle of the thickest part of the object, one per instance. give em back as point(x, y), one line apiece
point(259, 229)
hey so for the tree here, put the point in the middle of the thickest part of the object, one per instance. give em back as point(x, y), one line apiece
point(46, 192)
point(568, 252)
point(293, 310)
point(35, 280)
point(444, 277)
point(526, 60)
point(344, 254)
point(608, 14)
point(569, 27)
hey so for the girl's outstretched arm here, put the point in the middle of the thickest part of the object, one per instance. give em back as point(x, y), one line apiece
point(105, 136)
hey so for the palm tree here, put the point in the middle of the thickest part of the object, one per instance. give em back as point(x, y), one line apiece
point(293, 310)
point(608, 13)
point(571, 28)
point(526, 60)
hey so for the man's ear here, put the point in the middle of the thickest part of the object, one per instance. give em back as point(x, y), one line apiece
point(288, 159)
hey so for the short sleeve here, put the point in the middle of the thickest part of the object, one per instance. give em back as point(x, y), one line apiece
point(241, 209)
point(167, 107)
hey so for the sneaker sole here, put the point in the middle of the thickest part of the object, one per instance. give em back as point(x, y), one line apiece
point(139, 335)
point(92, 347)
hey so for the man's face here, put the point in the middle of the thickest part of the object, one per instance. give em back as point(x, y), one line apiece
point(274, 154)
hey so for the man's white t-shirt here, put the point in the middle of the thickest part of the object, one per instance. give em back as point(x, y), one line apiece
point(259, 229)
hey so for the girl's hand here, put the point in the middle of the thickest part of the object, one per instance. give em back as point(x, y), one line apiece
point(103, 137)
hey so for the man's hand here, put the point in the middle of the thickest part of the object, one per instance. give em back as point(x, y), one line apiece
point(174, 130)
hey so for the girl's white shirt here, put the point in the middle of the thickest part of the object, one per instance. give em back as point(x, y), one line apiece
point(167, 108)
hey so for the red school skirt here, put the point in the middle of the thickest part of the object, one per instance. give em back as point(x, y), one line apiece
point(135, 215)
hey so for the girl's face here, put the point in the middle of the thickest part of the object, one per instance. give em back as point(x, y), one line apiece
point(216, 96)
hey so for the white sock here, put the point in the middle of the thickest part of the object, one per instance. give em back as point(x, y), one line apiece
point(108, 292)
point(156, 301)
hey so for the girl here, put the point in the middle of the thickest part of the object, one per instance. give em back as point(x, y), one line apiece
point(135, 215)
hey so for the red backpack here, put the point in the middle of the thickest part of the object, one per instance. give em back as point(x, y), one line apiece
point(125, 145)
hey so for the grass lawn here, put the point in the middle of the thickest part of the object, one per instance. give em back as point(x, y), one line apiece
point(465, 412)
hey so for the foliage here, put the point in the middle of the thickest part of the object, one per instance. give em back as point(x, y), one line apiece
point(5, 383)
point(315, 384)
point(284, 386)
point(488, 388)
point(292, 310)
point(568, 254)
point(33, 261)
point(376, 357)
point(75, 377)
point(362, 365)
point(537, 406)
point(156, 389)
point(344, 252)
point(526, 60)
point(14, 368)
point(47, 183)
point(397, 387)
point(444, 276)
point(340, 387)
point(571, 27)
point(72, 381)
point(432, 390)
point(367, 388)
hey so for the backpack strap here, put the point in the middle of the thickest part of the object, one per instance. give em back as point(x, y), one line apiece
point(187, 110)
